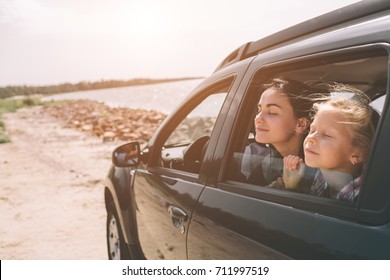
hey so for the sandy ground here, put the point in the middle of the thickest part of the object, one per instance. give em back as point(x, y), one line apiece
point(51, 190)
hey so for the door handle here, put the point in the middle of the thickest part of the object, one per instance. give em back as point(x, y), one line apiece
point(178, 215)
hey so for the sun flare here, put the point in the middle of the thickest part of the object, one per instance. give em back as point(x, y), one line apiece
point(149, 20)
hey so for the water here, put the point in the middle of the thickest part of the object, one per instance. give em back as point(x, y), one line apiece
point(163, 97)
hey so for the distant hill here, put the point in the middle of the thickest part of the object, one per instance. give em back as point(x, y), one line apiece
point(11, 91)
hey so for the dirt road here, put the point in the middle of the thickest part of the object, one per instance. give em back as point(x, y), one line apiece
point(51, 190)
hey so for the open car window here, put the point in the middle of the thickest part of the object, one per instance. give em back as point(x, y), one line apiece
point(260, 166)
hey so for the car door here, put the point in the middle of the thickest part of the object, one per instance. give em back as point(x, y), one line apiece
point(167, 188)
point(246, 220)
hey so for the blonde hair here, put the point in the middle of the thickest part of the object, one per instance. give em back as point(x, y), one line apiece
point(353, 104)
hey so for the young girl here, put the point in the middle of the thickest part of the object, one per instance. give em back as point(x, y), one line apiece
point(338, 144)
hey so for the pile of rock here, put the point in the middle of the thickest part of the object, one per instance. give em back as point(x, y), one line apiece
point(108, 123)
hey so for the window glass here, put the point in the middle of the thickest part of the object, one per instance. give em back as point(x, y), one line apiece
point(199, 122)
point(185, 146)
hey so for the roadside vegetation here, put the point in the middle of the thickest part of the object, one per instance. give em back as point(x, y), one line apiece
point(11, 91)
point(10, 105)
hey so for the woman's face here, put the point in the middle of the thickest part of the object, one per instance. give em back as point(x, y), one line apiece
point(275, 121)
point(329, 142)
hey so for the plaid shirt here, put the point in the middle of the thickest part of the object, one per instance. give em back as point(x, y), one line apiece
point(261, 164)
point(349, 192)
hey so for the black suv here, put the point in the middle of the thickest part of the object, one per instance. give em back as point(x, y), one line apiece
point(178, 198)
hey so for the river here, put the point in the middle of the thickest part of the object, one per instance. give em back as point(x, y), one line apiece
point(163, 97)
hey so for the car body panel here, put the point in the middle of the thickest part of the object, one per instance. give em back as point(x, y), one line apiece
point(268, 230)
point(160, 236)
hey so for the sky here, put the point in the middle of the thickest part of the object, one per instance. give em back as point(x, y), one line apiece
point(46, 42)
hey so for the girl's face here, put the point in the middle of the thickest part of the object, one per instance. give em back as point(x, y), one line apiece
point(329, 142)
point(275, 121)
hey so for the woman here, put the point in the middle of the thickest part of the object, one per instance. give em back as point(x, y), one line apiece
point(281, 124)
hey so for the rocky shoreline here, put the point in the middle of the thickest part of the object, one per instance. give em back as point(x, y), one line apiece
point(109, 124)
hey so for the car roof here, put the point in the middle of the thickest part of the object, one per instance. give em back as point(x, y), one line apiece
point(325, 21)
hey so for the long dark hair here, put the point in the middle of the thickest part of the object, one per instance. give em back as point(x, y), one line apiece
point(298, 94)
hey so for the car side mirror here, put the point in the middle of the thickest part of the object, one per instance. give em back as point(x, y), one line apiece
point(127, 155)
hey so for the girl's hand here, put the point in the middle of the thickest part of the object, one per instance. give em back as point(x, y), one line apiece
point(292, 162)
point(293, 171)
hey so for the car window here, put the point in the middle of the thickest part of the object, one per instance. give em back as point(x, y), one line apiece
point(199, 122)
point(185, 146)
point(259, 165)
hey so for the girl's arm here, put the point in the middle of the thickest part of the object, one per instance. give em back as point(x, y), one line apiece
point(293, 171)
